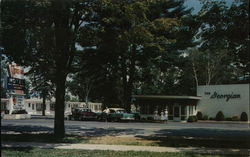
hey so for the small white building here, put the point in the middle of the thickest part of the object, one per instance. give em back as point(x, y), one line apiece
point(34, 106)
point(231, 99)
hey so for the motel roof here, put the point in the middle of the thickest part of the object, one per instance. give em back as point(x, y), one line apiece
point(166, 97)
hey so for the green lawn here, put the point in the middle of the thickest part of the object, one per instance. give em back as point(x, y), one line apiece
point(30, 152)
point(170, 141)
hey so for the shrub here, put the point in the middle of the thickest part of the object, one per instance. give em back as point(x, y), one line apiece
point(228, 119)
point(199, 115)
point(170, 117)
point(150, 118)
point(243, 116)
point(192, 119)
point(205, 117)
point(211, 118)
point(19, 112)
point(235, 118)
point(219, 116)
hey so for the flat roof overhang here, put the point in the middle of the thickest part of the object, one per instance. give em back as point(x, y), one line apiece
point(155, 97)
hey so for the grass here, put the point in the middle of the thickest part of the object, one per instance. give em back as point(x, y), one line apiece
point(36, 152)
point(171, 141)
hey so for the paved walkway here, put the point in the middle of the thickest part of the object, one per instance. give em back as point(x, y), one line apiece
point(222, 151)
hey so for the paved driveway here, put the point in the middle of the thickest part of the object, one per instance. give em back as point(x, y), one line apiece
point(94, 128)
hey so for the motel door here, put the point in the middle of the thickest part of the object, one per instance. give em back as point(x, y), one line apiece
point(177, 113)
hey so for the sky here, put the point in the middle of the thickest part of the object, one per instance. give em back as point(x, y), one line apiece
point(195, 4)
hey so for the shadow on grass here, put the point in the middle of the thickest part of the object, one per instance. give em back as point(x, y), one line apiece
point(25, 129)
point(198, 137)
point(48, 138)
point(73, 130)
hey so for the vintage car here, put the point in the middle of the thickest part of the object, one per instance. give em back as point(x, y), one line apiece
point(81, 113)
point(115, 114)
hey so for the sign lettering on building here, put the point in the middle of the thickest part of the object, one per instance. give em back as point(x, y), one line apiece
point(224, 96)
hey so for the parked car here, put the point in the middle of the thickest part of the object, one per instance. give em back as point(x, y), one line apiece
point(137, 115)
point(115, 114)
point(81, 113)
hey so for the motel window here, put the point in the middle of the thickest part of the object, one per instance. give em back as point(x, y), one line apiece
point(33, 106)
point(39, 107)
point(69, 105)
point(170, 110)
point(29, 104)
point(190, 110)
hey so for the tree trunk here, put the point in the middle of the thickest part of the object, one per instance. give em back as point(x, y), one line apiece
point(44, 103)
point(59, 129)
point(131, 79)
point(124, 81)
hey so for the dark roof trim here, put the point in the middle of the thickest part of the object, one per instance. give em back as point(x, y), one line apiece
point(165, 97)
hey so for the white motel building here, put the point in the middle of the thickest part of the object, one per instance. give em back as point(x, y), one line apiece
point(231, 99)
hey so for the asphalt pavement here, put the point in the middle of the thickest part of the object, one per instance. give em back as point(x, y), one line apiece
point(95, 128)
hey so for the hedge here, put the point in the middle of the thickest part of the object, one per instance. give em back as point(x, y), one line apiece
point(243, 116)
point(192, 119)
point(199, 115)
point(219, 116)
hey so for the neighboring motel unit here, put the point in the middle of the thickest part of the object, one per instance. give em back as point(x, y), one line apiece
point(34, 106)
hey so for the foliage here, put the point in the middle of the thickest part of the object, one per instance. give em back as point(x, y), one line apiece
point(235, 118)
point(45, 35)
point(227, 27)
point(207, 66)
point(199, 116)
point(3, 75)
point(228, 119)
point(219, 116)
point(243, 116)
point(135, 48)
point(205, 117)
point(19, 112)
point(192, 119)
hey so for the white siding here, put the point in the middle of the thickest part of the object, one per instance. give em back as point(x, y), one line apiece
point(209, 105)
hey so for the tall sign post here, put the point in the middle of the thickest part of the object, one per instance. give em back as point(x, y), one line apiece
point(16, 87)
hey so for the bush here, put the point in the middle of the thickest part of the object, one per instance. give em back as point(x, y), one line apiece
point(199, 115)
point(205, 117)
point(212, 118)
point(235, 118)
point(219, 116)
point(192, 119)
point(19, 112)
point(150, 118)
point(243, 116)
point(228, 119)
